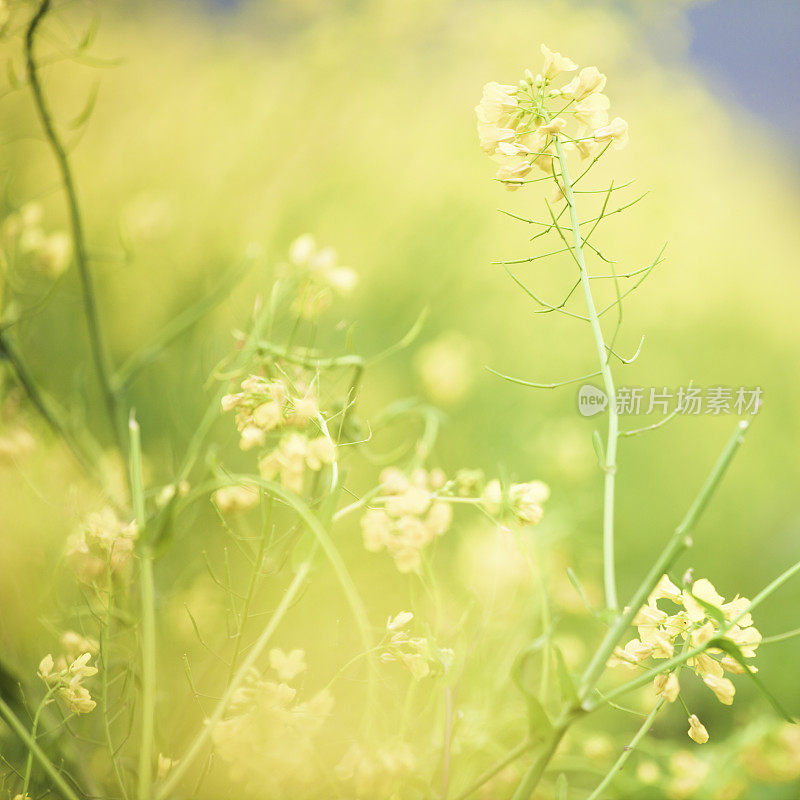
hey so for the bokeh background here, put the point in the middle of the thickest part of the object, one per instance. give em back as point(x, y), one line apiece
point(218, 127)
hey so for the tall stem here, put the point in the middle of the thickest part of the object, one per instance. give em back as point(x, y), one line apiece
point(628, 751)
point(79, 243)
point(168, 787)
point(13, 722)
point(536, 770)
point(147, 589)
point(610, 461)
point(679, 542)
point(148, 674)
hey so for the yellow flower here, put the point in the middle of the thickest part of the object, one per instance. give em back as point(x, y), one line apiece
point(525, 500)
point(376, 529)
point(74, 644)
point(514, 171)
point(492, 498)
point(747, 639)
point(232, 499)
point(722, 688)
point(736, 611)
point(54, 254)
point(77, 699)
point(439, 518)
point(165, 764)
point(491, 136)
point(697, 731)
point(704, 590)
point(586, 82)
point(287, 665)
point(667, 686)
point(632, 654)
point(616, 131)
point(46, 667)
point(666, 589)
point(592, 111)
point(498, 103)
point(555, 63)
point(399, 621)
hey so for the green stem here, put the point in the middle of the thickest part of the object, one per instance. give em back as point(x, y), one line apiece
point(610, 465)
point(536, 770)
point(626, 753)
point(34, 728)
point(106, 657)
point(196, 748)
point(262, 546)
point(147, 589)
point(679, 542)
point(24, 735)
point(49, 413)
point(148, 673)
point(518, 751)
point(79, 243)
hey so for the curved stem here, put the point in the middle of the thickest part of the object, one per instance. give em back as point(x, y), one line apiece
point(518, 751)
point(34, 728)
point(79, 243)
point(534, 774)
point(610, 465)
point(23, 734)
point(168, 787)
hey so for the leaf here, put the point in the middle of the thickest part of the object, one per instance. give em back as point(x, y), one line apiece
point(569, 691)
point(87, 109)
point(561, 787)
point(539, 724)
point(715, 612)
point(733, 650)
point(598, 448)
point(91, 33)
point(573, 579)
point(13, 78)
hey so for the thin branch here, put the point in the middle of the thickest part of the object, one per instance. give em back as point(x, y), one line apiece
point(96, 341)
point(543, 385)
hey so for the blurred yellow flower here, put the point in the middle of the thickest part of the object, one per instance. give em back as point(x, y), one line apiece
point(697, 731)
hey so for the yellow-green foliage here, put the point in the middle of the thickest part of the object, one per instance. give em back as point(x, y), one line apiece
point(219, 139)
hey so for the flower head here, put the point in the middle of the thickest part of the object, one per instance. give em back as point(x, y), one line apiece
point(697, 731)
point(519, 126)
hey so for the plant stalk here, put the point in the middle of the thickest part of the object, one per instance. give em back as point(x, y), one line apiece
point(96, 342)
point(603, 353)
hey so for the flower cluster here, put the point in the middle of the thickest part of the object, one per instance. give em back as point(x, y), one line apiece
point(322, 276)
point(420, 656)
point(65, 675)
point(411, 517)
point(294, 455)
point(102, 546)
point(518, 126)
point(233, 499)
point(663, 635)
point(521, 502)
point(266, 738)
point(264, 406)
point(377, 773)
point(23, 236)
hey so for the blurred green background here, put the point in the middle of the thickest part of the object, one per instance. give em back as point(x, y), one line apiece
point(354, 120)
